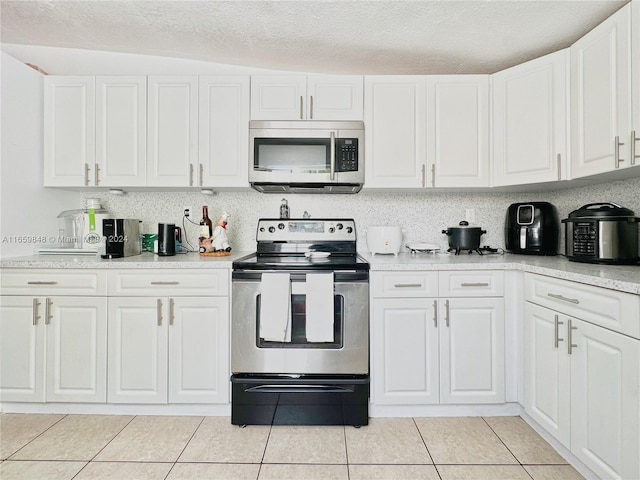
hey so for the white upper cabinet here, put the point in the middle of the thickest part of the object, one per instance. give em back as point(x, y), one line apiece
point(635, 83)
point(301, 97)
point(601, 97)
point(395, 131)
point(224, 131)
point(530, 121)
point(121, 131)
point(172, 148)
point(69, 131)
point(458, 130)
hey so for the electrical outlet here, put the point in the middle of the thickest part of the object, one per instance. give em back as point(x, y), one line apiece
point(187, 211)
point(470, 215)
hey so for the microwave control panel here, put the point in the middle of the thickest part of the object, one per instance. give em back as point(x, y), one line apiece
point(346, 154)
point(584, 238)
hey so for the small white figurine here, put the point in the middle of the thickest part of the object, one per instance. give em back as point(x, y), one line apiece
point(220, 239)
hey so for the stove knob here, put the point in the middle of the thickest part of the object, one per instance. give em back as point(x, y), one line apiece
point(331, 229)
point(281, 226)
point(349, 229)
point(272, 229)
point(262, 229)
point(339, 226)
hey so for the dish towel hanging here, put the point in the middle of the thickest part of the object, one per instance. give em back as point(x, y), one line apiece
point(275, 307)
point(319, 307)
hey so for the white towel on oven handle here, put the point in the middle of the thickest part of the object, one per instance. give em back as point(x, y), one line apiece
point(319, 307)
point(275, 307)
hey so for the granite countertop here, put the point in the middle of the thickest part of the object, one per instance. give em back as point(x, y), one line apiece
point(615, 277)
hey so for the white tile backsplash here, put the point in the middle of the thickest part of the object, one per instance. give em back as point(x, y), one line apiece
point(422, 215)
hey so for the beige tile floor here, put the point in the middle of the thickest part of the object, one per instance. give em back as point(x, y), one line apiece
point(83, 447)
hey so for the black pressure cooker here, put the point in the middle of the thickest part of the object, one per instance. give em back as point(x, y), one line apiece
point(464, 237)
point(602, 233)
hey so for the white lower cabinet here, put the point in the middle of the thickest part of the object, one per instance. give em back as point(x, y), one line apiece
point(429, 350)
point(582, 381)
point(53, 349)
point(168, 349)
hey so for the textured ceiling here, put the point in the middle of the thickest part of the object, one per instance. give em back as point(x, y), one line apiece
point(347, 36)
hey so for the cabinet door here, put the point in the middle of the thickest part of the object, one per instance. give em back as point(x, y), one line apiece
point(224, 131)
point(458, 130)
point(635, 83)
point(335, 97)
point(278, 97)
point(121, 130)
point(77, 349)
point(22, 349)
point(530, 121)
point(199, 350)
point(69, 131)
point(472, 350)
point(405, 351)
point(605, 386)
point(601, 97)
point(172, 112)
point(137, 350)
point(395, 117)
point(547, 371)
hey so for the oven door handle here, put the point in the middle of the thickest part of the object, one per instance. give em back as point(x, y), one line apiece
point(299, 389)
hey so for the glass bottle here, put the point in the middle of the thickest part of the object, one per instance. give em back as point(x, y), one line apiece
point(284, 209)
point(206, 226)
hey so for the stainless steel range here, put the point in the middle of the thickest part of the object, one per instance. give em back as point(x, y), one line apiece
point(300, 326)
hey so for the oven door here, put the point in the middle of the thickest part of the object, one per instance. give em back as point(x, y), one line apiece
point(348, 353)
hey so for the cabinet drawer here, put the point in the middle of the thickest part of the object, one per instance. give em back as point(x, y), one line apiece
point(618, 311)
point(404, 284)
point(53, 282)
point(474, 283)
point(169, 282)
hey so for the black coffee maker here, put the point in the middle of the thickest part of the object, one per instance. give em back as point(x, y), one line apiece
point(167, 239)
point(532, 228)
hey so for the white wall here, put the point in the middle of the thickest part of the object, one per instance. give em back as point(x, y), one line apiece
point(27, 208)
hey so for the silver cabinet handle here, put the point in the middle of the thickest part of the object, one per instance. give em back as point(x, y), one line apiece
point(311, 108)
point(570, 344)
point(171, 311)
point(480, 284)
point(301, 106)
point(564, 299)
point(42, 282)
point(86, 174)
point(47, 311)
point(435, 313)
point(616, 151)
point(446, 312)
point(634, 139)
point(559, 160)
point(433, 175)
point(332, 156)
point(191, 174)
point(557, 324)
point(407, 285)
point(36, 304)
point(97, 174)
point(424, 176)
point(159, 312)
point(165, 283)
point(201, 174)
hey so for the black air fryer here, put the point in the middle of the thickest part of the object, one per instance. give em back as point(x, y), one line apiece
point(532, 228)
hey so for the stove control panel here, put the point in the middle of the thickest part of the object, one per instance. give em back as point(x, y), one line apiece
point(306, 229)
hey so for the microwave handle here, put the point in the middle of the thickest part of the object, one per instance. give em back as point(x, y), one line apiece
point(332, 157)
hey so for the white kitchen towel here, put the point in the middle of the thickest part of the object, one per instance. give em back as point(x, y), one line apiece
point(275, 307)
point(319, 307)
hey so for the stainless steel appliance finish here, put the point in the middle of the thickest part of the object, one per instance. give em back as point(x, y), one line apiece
point(306, 156)
point(532, 228)
point(602, 233)
point(122, 237)
point(297, 380)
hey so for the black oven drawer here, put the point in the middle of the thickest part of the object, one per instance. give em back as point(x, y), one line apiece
point(308, 400)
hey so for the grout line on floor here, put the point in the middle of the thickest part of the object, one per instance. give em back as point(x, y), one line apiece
point(39, 435)
point(505, 445)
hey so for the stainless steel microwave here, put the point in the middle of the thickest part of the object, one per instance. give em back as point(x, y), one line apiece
point(306, 156)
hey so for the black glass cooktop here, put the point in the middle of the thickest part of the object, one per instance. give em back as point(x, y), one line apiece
point(300, 262)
